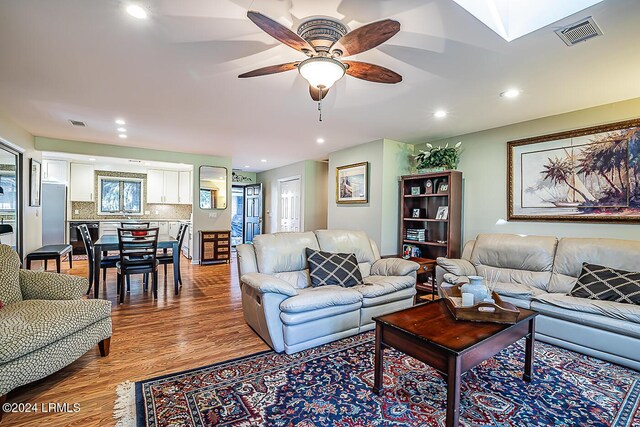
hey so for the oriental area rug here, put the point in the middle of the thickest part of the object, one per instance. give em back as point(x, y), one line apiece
point(331, 386)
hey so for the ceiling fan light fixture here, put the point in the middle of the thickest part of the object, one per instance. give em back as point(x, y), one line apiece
point(322, 72)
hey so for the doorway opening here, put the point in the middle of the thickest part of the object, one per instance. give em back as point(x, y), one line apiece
point(289, 204)
point(237, 215)
point(11, 197)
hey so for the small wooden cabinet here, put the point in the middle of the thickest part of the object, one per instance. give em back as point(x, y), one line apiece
point(215, 246)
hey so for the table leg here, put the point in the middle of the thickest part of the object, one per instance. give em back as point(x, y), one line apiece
point(58, 263)
point(97, 257)
point(28, 263)
point(378, 365)
point(434, 286)
point(453, 391)
point(176, 266)
point(529, 351)
point(70, 259)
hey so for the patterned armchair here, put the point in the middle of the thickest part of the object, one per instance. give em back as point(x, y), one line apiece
point(44, 324)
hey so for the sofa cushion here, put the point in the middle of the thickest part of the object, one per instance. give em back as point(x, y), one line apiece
point(535, 279)
point(282, 252)
point(607, 284)
point(328, 268)
point(298, 279)
point(375, 286)
point(347, 241)
point(9, 276)
point(512, 251)
point(615, 310)
point(26, 326)
point(322, 297)
point(573, 252)
point(517, 290)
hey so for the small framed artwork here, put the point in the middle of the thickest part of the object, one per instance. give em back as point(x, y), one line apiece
point(443, 187)
point(35, 182)
point(415, 191)
point(406, 251)
point(443, 212)
point(415, 252)
point(352, 183)
point(415, 213)
point(428, 187)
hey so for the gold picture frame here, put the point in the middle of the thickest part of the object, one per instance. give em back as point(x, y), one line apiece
point(352, 184)
point(584, 175)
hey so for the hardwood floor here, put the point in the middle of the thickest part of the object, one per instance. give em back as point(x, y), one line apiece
point(200, 326)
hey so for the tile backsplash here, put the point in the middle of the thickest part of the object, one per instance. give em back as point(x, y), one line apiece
point(89, 210)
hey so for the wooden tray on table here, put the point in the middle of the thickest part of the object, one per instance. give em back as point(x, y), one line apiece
point(503, 312)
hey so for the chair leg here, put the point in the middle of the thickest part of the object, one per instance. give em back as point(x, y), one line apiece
point(90, 280)
point(104, 275)
point(70, 260)
point(128, 283)
point(3, 399)
point(145, 281)
point(121, 287)
point(165, 270)
point(45, 265)
point(155, 284)
point(104, 347)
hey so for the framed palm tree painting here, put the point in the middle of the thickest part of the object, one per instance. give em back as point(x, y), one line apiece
point(590, 174)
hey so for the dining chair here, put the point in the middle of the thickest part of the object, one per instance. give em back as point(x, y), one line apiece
point(135, 224)
point(105, 262)
point(165, 258)
point(138, 251)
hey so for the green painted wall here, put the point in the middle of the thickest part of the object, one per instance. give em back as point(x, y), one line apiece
point(202, 219)
point(484, 167)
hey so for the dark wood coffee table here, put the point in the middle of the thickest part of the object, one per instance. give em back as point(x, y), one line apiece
point(430, 333)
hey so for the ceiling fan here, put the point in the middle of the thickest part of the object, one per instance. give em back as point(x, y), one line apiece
point(325, 41)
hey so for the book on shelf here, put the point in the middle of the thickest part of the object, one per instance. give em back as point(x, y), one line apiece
point(417, 234)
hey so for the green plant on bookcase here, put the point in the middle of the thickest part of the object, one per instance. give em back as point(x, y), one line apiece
point(438, 158)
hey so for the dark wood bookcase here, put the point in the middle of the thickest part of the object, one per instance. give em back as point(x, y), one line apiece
point(441, 236)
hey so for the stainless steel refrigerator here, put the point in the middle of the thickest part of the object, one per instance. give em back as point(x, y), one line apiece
point(54, 213)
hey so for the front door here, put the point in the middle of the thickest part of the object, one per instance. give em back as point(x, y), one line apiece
point(253, 211)
point(289, 211)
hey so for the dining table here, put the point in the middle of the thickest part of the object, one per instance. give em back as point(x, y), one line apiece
point(109, 242)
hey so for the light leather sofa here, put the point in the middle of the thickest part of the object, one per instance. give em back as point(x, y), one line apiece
point(290, 315)
point(538, 272)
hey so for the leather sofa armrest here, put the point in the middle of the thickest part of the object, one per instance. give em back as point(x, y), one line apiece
point(458, 267)
point(51, 286)
point(453, 279)
point(264, 283)
point(393, 267)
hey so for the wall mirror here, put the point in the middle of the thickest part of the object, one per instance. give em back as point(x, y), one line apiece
point(213, 187)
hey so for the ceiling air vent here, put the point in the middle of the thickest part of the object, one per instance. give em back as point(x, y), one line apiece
point(78, 123)
point(578, 32)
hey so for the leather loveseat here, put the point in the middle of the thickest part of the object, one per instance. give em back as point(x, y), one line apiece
point(539, 272)
point(290, 315)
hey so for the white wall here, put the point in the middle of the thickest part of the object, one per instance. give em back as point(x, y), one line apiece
point(313, 189)
point(32, 220)
point(379, 218)
point(484, 167)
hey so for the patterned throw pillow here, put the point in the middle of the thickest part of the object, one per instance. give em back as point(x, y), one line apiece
point(607, 284)
point(327, 268)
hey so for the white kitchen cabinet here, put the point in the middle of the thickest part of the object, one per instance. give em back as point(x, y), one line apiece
point(163, 227)
point(174, 227)
point(155, 186)
point(109, 228)
point(54, 170)
point(81, 185)
point(171, 187)
point(185, 194)
point(163, 186)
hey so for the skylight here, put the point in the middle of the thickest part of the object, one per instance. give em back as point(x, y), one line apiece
point(515, 18)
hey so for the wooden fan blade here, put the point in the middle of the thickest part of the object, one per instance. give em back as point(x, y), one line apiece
point(280, 32)
point(271, 69)
point(366, 37)
point(371, 72)
point(315, 93)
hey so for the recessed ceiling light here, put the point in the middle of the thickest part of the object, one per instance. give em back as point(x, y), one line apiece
point(122, 129)
point(120, 122)
point(147, 164)
point(440, 114)
point(263, 160)
point(511, 93)
point(247, 166)
point(91, 159)
point(137, 11)
point(320, 140)
point(123, 136)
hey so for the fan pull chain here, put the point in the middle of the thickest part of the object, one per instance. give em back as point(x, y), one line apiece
point(320, 103)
